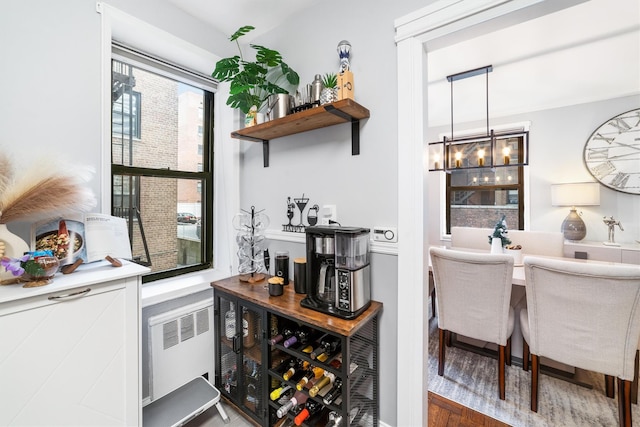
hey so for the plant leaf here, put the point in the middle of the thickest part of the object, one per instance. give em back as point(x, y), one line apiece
point(290, 74)
point(241, 32)
point(267, 56)
point(226, 68)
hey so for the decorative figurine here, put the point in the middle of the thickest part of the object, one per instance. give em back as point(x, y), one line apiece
point(345, 76)
point(344, 50)
point(611, 223)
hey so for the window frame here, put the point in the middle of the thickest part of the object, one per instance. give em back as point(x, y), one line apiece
point(156, 66)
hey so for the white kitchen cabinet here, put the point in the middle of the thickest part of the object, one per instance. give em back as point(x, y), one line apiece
point(70, 351)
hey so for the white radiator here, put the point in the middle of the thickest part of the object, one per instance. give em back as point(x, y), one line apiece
point(180, 347)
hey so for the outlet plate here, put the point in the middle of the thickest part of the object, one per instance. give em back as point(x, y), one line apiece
point(385, 234)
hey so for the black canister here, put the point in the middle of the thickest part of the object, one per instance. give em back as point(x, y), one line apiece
point(300, 275)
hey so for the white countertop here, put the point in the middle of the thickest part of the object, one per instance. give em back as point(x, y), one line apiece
point(87, 274)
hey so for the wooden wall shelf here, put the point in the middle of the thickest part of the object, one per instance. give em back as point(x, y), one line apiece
point(343, 111)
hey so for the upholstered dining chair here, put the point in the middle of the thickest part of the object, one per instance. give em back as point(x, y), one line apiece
point(585, 315)
point(473, 291)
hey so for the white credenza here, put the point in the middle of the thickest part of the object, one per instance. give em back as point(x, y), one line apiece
point(628, 253)
point(70, 350)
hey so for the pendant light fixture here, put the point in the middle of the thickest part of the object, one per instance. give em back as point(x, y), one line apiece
point(490, 151)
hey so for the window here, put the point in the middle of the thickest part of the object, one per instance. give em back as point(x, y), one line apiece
point(479, 197)
point(162, 175)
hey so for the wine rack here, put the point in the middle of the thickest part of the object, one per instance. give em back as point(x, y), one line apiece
point(353, 361)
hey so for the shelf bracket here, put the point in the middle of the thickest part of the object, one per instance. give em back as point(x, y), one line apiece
point(355, 127)
point(265, 146)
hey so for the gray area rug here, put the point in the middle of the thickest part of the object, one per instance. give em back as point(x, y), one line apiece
point(472, 380)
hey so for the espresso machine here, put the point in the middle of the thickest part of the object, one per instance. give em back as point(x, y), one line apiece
point(338, 270)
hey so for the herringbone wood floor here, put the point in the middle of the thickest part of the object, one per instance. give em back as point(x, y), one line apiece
point(446, 413)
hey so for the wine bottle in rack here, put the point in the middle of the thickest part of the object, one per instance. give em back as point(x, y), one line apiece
point(302, 336)
point(311, 407)
point(300, 365)
point(275, 394)
point(335, 419)
point(313, 372)
point(328, 347)
point(323, 382)
point(299, 398)
point(334, 393)
point(285, 334)
point(337, 364)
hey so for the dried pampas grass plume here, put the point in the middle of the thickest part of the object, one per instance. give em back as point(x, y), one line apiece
point(45, 189)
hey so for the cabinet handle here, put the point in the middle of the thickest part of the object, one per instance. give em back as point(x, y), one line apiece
point(70, 296)
point(236, 344)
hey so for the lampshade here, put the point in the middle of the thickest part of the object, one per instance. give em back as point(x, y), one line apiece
point(575, 194)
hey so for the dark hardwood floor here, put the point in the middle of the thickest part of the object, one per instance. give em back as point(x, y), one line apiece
point(447, 413)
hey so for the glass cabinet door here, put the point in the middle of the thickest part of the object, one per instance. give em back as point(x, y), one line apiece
point(228, 348)
point(252, 393)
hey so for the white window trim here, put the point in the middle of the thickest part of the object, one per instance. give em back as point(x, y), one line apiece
point(132, 31)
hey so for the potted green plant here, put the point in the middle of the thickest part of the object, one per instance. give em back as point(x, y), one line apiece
point(253, 81)
point(329, 92)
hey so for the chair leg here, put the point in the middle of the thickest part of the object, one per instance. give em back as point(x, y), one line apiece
point(610, 386)
point(525, 355)
point(433, 302)
point(449, 340)
point(508, 356)
point(441, 350)
point(634, 384)
point(624, 402)
point(501, 381)
point(535, 370)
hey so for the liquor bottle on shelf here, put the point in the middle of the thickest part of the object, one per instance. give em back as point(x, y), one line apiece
point(275, 394)
point(328, 379)
point(299, 398)
point(313, 372)
point(230, 322)
point(311, 407)
point(328, 347)
point(332, 395)
point(299, 366)
point(302, 336)
point(335, 419)
point(248, 328)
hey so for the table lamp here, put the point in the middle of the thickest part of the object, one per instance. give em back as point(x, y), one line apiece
point(575, 194)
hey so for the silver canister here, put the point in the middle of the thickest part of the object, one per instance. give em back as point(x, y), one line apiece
point(278, 106)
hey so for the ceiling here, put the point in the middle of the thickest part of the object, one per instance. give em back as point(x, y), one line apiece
point(585, 53)
point(231, 15)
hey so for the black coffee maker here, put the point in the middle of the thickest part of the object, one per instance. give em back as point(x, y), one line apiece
point(338, 270)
